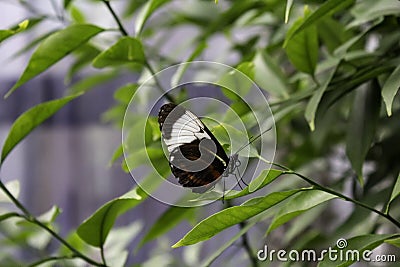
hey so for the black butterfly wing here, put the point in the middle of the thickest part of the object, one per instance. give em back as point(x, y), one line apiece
point(197, 159)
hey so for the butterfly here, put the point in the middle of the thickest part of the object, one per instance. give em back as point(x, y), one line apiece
point(196, 157)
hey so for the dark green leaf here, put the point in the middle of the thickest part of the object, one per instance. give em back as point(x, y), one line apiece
point(29, 120)
point(126, 50)
point(358, 243)
point(67, 3)
point(226, 218)
point(168, 220)
point(54, 48)
point(302, 49)
point(147, 10)
point(299, 204)
point(390, 89)
point(362, 125)
point(328, 7)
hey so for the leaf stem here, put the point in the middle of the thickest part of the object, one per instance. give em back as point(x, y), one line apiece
point(158, 84)
point(333, 192)
point(55, 258)
point(116, 18)
point(30, 218)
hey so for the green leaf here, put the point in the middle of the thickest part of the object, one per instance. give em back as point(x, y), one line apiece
point(327, 8)
point(269, 76)
point(77, 15)
point(50, 216)
point(361, 129)
point(6, 216)
point(302, 49)
point(168, 220)
point(67, 3)
point(147, 10)
point(119, 152)
point(358, 243)
point(394, 242)
point(4, 34)
point(54, 48)
point(125, 93)
point(368, 10)
point(13, 187)
point(390, 89)
point(226, 218)
point(95, 229)
point(29, 120)
point(299, 204)
point(125, 50)
point(313, 103)
point(395, 193)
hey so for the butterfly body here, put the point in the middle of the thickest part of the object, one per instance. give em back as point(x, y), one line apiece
point(196, 158)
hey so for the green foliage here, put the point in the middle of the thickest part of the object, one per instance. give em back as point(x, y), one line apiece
point(330, 70)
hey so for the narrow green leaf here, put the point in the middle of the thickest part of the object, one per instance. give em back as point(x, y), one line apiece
point(13, 187)
point(328, 7)
point(312, 105)
point(147, 10)
point(29, 120)
point(265, 178)
point(390, 89)
point(394, 242)
point(302, 49)
point(359, 243)
point(369, 10)
point(4, 34)
point(95, 229)
point(299, 204)
point(363, 119)
point(168, 220)
point(54, 48)
point(50, 215)
point(126, 50)
point(226, 218)
point(289, 4)
point(395, 193)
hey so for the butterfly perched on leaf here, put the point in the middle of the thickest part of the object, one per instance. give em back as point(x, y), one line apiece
point(196, 157)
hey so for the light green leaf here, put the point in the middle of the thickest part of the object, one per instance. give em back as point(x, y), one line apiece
point(95, 229)
point(147, 10)
point(265, 178)
point(125, 93)
point(168, 220)
point(312, 105)
point(126, 50)
point(302, 49)
point(54, 48)
point(363, 119)
point(119, 152)
point(13, 187)
point(226, 218)
point(50, 216)
point(368, 10)
point(299, 204)
point(395, 193)
point(327, 8)
point(394, 242)
point(390, 89)
point(29, 120)
point(269, 76)
point(358, 243)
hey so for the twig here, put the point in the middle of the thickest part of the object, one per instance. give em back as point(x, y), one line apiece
point(55, 258)
point(333, 192)
point(120, 26)
point(158, 84)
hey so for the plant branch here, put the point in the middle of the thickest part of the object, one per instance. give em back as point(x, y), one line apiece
point(158, 84)
point(246, 245)
point(116, 18)
point(30, 218)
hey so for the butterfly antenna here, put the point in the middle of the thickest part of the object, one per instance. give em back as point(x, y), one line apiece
point(252, 139)
point(223, 193)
